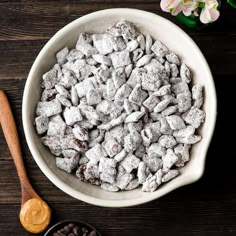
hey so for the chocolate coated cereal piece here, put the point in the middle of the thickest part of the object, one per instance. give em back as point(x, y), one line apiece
point(111, 89)
point(119, 77)
point(151, 102)
point(195, 117)
point(182, 151)
point(173, 58)
point(120, 59)
point(137, 95)
point(53, 143)
point(159, 49)
point(48, 95)
point(93, 97)
point(109, 187)
point(142, 172)
point(155, 150)
point(147, 136)
point(163, 90)
point(84, 45)
point(169, 160)
point(132, 184)
point(192, 139)
point(81, 133)
point(141, 41)
point(197, 95)
point(63, 100)
point(131, 45)
point(56, 126)
point(61, 90)
point(67, 164)
point(137, 54)
point(103, 43)
point(72, 114)
point(74, 96)
point(151, 82)
point(128, 70)
point(50, 108)
point(138, 126)
point(130, 107)
point(50, 79)
point(150, 185)
point(167, 141)
point(185, 73)
point(171, 174)
point(162, 105)
point(130, 162)
point(181, 87)
point(175, 122)
point(83, 87)
point(107, 169)
point(134, 117)
point(136, 77)
point(111, 146)
point(61, 55)
point(102, 59)
point(95, 153)
point(148, 44)
point(184, 101)
point(123, 179)
point(144, 60)
point(185, 132)
point(41, 123)
point(120, 156)
point(74, 54)
point(67, 79)
point(132, 141)
point(122, 93)
point(169, 110)
point(153, 163)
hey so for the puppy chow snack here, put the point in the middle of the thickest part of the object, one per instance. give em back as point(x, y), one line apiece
point(120, 110)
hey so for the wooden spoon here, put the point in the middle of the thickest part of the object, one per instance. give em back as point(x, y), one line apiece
point(35, 214)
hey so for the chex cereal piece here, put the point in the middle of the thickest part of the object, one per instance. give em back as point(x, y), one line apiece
point(72, 114)
point(159, 49)
point(120, 59)
point(102, 59)
point(167, 141)
point(169, 160)
point(50, 108)
point(134, 117)
point(84, 45)
point(150, 185)
point(95, 154)
point(120, 156)
point(103, 43)
point(148, 44)
point(156, 150)
point(67, 79)
point(192, 139)
point(130, 107)
point(185, 132)
point(140, 151)
point(182, 151)
point(56, 126)
point(163, 90)
point(151, 102)
point(132, 45)
point(197, 95)
point(132, 141)
point(144, 60)
point(122, 93)
point(175, 122)
point(74, 54)
point(107, 169)
point(74, 96)
point(162, 105)
point(111, 89)
point(53, 143)
point(111, 146)
point(93, 97)
point(173, 58)
point(63, 100)
point(41, 123)
point(141, 41)
point(123, 179)
point(91, 173)
point(138, 126)
point(119, 77)
point(48, 95)
point(153, 163)
point(165, 127)
point(109, 187)
point(184, 101)
point(130, 162)
point(67, 164)
point(61, 90)
point(151, 82)
point(50, 78)
point(81, 133)
point(147, 136)
point(195, 117)
point(136, 77)
point(137, 95)
point(171, 174)
point(61, 55)
point(142, 172)
point(132, 184)
point(185, 73)
point(169, 110)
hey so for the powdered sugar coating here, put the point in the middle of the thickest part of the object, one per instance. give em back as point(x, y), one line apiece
point(119, 110)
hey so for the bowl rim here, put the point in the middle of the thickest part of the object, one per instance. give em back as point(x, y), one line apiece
point(52, 176)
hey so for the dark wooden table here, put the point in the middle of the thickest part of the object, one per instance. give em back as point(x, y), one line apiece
point(207, 207)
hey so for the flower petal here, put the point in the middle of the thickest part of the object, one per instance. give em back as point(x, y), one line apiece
point(209, 15)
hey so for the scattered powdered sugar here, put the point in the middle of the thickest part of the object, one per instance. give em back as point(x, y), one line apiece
point(120, 110)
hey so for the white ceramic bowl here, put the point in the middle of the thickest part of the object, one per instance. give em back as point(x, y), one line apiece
point(176, 40)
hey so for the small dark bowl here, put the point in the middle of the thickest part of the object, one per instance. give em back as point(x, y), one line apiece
point(62, 224)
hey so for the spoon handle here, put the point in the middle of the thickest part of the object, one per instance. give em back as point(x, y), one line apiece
point(12, 139)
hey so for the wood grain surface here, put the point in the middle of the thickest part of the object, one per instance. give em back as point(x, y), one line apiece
point(206, 208)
